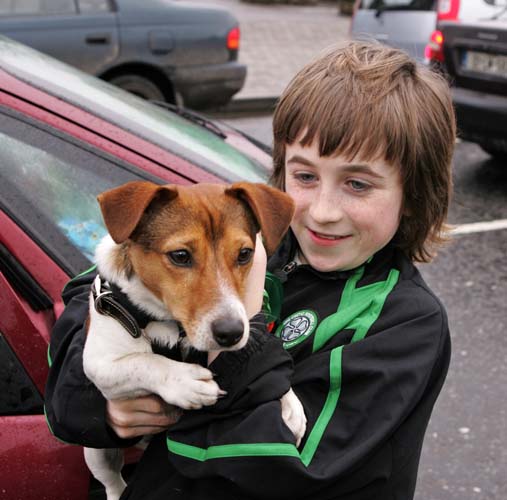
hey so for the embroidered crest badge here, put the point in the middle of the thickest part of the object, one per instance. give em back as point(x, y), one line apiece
point(297, 327)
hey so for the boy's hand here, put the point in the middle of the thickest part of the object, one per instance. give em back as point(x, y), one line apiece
point(254, 286)
point(136, 417)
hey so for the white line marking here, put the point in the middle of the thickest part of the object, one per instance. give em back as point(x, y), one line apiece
point(479, 227)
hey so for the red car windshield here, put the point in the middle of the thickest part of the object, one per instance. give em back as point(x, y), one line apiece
point(168, 130)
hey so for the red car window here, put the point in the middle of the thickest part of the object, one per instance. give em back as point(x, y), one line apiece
point(51, 183)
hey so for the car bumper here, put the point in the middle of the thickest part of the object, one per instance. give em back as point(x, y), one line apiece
point(208, 86)
point(480, 116)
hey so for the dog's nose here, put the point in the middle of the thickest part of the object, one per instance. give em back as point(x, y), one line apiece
point(227, 331)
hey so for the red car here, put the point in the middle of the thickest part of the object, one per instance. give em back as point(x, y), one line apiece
point(65, 137)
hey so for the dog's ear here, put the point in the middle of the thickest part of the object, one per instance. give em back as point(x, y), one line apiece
point(123, 207)
point(273, 209)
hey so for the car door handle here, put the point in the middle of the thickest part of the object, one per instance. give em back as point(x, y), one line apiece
point(98, 39)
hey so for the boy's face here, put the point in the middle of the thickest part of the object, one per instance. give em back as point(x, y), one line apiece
point(345, 211)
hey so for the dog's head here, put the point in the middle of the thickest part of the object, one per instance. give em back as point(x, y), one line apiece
point(192, 248)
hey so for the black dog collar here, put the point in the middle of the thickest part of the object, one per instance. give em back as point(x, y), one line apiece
point(111, 301)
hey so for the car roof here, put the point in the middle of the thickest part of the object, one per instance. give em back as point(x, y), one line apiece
point(186, 12)
point(185, 139)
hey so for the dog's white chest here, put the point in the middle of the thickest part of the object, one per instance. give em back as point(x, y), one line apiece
point(164, 333)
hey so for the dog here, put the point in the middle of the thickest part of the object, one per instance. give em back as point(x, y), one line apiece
point(179, 256)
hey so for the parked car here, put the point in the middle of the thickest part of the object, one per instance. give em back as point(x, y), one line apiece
point(474, 55)
point(158, 49)
point(409, 24)
point(66, 136)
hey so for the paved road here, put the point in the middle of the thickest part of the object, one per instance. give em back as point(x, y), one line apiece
point(277, 40)
point(465, 455)
point(465, 452)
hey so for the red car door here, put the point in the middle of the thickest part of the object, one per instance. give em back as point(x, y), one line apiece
point(33, 465)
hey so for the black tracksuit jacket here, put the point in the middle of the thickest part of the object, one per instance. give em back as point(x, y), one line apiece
point(366, 351)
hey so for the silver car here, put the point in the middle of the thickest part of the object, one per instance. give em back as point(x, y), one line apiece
point(410, 24)
point(158, 49)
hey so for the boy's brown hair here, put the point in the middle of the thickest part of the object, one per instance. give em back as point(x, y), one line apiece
point(368, 99)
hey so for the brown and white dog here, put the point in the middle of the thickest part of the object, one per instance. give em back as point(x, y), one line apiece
point(181, 255)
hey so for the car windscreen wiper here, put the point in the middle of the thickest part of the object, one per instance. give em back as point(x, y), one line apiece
point(211, 125)
point(193, 117)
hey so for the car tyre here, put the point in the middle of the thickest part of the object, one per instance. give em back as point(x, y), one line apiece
point(495, 151)
point(140, 86)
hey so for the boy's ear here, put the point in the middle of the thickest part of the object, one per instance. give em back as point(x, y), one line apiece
point(123, 207)
point(273, 210)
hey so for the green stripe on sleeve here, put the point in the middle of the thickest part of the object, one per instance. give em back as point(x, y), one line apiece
point(232, 450)
point(335, 375)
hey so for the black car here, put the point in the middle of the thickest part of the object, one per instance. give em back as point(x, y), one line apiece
point(474, 55)
point(158, 49)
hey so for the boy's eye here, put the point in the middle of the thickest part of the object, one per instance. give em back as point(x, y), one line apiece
point(359, 185)
point(304, 177)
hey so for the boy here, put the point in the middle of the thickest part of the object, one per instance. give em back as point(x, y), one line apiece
point(363, 143)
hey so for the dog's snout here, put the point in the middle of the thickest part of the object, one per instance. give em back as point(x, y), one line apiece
point(227, 331)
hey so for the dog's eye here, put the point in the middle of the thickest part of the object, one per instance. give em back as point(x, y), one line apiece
point(181, 258)
point(244, 256)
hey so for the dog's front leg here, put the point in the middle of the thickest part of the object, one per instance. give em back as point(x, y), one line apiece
point(185, 385)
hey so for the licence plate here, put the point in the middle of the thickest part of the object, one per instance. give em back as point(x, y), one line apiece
point(482, 62)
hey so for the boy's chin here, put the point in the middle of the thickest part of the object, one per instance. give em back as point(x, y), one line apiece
point(332, 263)
point(323, 264)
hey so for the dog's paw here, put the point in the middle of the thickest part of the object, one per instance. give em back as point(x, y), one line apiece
point(293, 414)
point(191, 388)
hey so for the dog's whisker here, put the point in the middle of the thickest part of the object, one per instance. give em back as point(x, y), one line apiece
point(257, 323)
point(257, 330)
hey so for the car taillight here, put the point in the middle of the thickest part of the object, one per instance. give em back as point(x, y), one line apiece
point(233, 39)
point(447, 10)
point(434, 49)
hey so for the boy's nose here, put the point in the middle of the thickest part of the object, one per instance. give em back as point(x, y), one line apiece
point(326, 208)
